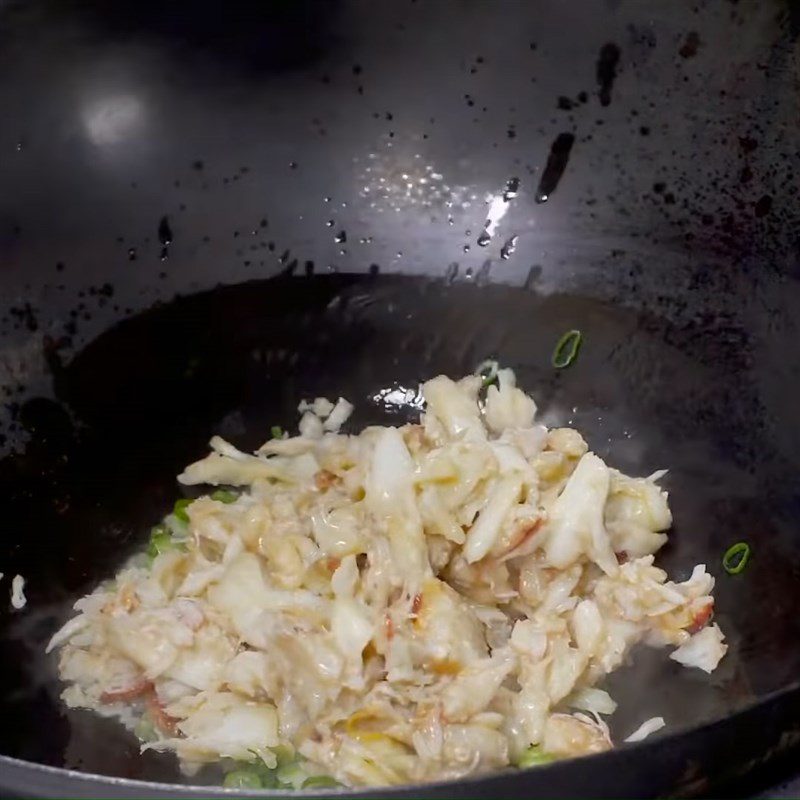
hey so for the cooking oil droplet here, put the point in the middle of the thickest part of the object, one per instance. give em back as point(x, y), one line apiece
point(466, 248)
point(329, 223)
point(554, 168)
point(164, 231)
point(340, 237)
point(468, 274)
point(507, 250)
point(606, 70)
point(131, 254)
point(498, 207)
point(511, 190)
point(451, 273)
point(165, 237)
point(483, 277)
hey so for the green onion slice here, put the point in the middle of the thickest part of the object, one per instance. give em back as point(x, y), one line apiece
point(283, 753)
point(179, 510)
point(160, 541)
point(320, 782)
point(291, 775)
point(224, 496)
point(736, 558)
point(487, 371)
point(243, 778)
point(276, 431)
point(566, 350)
point(534, 756)
point(267, 775)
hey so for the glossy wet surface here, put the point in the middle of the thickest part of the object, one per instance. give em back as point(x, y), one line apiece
point(144, 398)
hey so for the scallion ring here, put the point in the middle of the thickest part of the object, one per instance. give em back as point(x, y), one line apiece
point(534, 756)
point(179, 509)
point(224, 496)
point(320, 782)
point(487, 370)
point(243, 778)
point(566, 350)
point(736, 558)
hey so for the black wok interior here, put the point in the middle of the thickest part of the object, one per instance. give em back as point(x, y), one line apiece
point(207, 217)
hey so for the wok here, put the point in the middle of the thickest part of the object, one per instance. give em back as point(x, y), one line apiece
point(209, 212)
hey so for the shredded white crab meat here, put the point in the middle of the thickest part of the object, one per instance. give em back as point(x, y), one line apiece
point(410, 603)
point(646, 728)
point(703, 650)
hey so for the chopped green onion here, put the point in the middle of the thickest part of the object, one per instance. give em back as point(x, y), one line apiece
point(566, 351)
point(243, 778)
point(534, 756)
point(268, 776)
point(224, 496)
point(283, 753)
point(160, 541)
point(487, 370)
point(736, 558)
point(177, 527)
point(276, 431)
point(258, 759)
point(179, 510)
point(291, 775)
point(320, 782)
point(266, 773)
